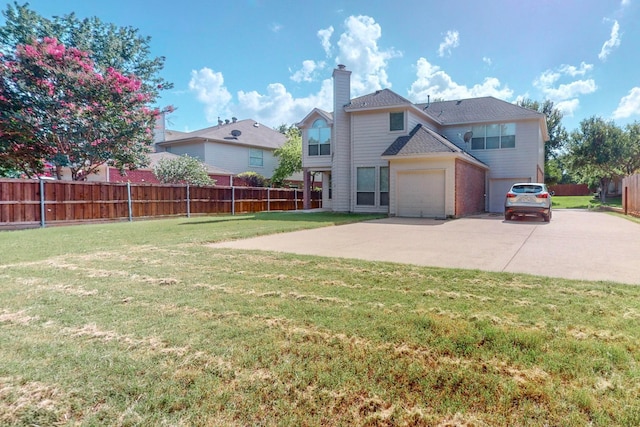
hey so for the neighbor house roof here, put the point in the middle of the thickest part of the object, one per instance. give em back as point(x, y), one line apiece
point(379, 99)
point(242, 132)
point(423, 141)
point(477, 110)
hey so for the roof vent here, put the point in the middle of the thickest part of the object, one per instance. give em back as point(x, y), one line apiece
point(341, 67)
point(256, 124)
point(236, 133)
point(234, 119)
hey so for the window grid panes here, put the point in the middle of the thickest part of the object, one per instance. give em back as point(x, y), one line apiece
point(366, 186)
point(256, 158)
point(495, 136)
point(384, 186)
point(396, 121)
point(319, 137)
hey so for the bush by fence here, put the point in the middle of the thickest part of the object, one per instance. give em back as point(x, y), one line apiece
point(631, 195)
point(31, 203)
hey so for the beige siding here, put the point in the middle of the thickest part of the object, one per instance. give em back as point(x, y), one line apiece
point(193, 150)
point(341, 142)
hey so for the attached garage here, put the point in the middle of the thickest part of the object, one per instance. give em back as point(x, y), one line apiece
point(498, 188)
point(421, 193)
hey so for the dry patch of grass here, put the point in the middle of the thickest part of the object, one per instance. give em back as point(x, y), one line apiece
point(176, 333)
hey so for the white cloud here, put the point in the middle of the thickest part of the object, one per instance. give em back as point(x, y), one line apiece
point(210, 90)
point(613, 42)
point(437, 83)
point(629, 105)
point(325, 39)
point(565, 96)
point(451, 40)
point(487, 60)
point(357, 48)
point(306, 74)
point(624, 3)
point(575, 71)
point(278, 106)
point(359, 51)
point(275, 27)
point(568, 107)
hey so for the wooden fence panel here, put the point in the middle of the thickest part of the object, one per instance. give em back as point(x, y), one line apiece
point(631, 194)
point(68, 201)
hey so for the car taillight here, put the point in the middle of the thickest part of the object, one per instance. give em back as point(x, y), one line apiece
point(511, 195)
point(543, 196)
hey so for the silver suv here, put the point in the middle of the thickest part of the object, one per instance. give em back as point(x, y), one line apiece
point(528, 198)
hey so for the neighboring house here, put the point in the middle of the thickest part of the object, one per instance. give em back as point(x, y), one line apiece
point(145, 175)
point(382, 153)
point(236, 146)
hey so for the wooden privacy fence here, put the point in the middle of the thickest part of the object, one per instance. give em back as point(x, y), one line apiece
point(631, 195)
point(31, 203)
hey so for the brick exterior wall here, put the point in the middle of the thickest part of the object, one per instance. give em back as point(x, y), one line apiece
point(470, 188)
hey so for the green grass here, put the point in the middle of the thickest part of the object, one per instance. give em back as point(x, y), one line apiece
point(584, 202)
point(143, 324)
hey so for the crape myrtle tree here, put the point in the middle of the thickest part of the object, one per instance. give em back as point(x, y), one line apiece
point(117, 53)
point(59, 106)
point(121, 48)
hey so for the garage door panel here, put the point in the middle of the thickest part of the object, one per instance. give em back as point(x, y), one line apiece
point(421, 193)
point(498, 189)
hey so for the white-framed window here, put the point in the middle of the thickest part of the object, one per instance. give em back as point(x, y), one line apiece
point(384, 186)
point(493, 136)
point(256, 157)
point(366, 186)
point(319, 136)
point(396, 121)
point(372, 181)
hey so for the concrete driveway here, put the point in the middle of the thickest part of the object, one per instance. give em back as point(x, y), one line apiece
point(576, 244)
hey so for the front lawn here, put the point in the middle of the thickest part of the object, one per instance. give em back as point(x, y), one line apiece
point(143, 324)
point(584, 202)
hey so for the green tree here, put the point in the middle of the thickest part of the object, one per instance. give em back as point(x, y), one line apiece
point(109, 46)
point(596, 153)
point(56, 105)
point(182, 170)
point(631, 149)
point(289, 155)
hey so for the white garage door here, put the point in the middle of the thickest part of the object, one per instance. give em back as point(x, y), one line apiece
point(497, 191)
point(421, 193)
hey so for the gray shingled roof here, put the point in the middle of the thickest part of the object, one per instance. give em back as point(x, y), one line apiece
point(243, 132)
point(476, 110)
point(379, 98)
point(420, 140)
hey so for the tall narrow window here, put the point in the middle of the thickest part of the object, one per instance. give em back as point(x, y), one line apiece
point(396, 121)
point(384, 186)
point(256, 158)
point(366, 186)
point(319, 139)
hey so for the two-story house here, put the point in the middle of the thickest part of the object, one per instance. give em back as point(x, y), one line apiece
point(382, 153)
point(234, 145)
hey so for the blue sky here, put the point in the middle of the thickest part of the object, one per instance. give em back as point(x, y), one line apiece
point(271, 60)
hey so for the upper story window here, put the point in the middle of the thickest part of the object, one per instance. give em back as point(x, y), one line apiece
point(319, 138)
point(396, 121)
point(256, 157)
point(491, 137)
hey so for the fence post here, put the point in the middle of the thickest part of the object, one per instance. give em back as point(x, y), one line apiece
point(188, 203)
point(129, 201)
point(295, 198)
point(268, 199)
point(233, 200)
point(42, 210)
point(626, 199)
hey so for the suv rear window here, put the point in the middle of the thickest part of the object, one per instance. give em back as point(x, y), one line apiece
point(520, 189)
